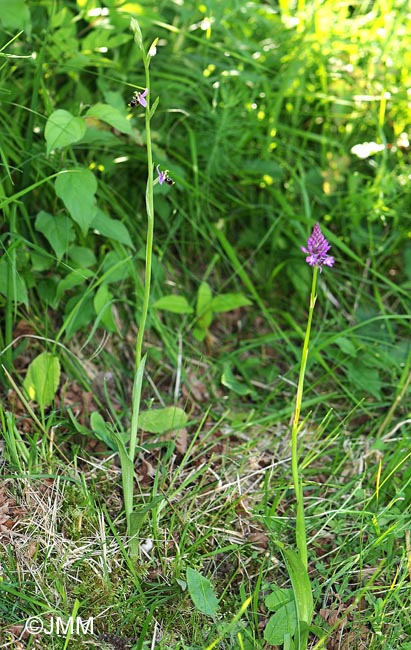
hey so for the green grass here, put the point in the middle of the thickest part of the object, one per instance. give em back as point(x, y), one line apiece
point(260, 106)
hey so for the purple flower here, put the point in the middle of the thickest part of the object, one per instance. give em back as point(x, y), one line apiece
point(139, 98)
point(317, 249)
point(163, 177)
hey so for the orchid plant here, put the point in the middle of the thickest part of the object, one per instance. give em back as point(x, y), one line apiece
point(291, 621)
point(127, 448)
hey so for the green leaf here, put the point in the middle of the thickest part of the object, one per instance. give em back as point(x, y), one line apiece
point(301, 585)
point(72, 280)
point(102, 304)
point(228, 380)
point(63, 129)
point(204, 298)
point(153, 108)
point(199, 334)
point(278, 598)
point(229, 301)
point(366, 380)
point(137, 32)
point(58, 231)
point(282, 624)
point(82, 257)
point(15, 15)
point(201, 592)
point(12, 284)
point(42, 378)
point(112, 228)
point(347, 346)
point(102, 430)
point(112, 116)
point(77, 191)
point(203, 311)
point(175, 304)
point(162, 420)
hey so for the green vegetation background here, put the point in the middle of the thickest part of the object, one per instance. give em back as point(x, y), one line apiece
point(262, 108)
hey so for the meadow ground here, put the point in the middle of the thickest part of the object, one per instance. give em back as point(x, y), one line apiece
point(167, 409)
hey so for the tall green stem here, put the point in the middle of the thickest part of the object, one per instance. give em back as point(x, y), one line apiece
point(301, 537)
point(139, 361)
point(150, 224)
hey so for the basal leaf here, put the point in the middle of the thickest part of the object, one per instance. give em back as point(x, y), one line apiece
point(201, 592)
point(229, 301)
point(112, 116)
point(282, 624)
point(301, 585)
point(204, 298)
point(162, 420)
point(15, 15)
point(278, 598)
point(12, 284)
point(58, 230)
point(112, 228)
point(63, 129)
point(365, 379)
point(42, 378)
point(71, 280)
point(102, 430)
point(229, 380)
point(175, 304)
point(102, 304)
point(203, 311)
point(77, 191)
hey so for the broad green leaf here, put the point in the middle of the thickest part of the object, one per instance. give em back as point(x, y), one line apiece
point(112, 116)
point(71, 280)
point(228, 302)
point(366, 380)
point(278, 598)
point(77, 191)
point(203, 311)
point(102, 304)
point(162, 420)
point(228, 380)
point(112, 228)
point(15, 15)
point(58, 231)
point(78, 313)
point(204, 298)
point(175, 304)
point(42, 379)
point(117, 266)
point(12, 284)
point(282, 624)
point(347, 346)
point(102, 430)
point(199, 334)
point(201, 592)
point(82, 257)
point(63, 129)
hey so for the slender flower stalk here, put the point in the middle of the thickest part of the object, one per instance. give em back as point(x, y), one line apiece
point(317, 256)
point(150, 216)
point(127, 452)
